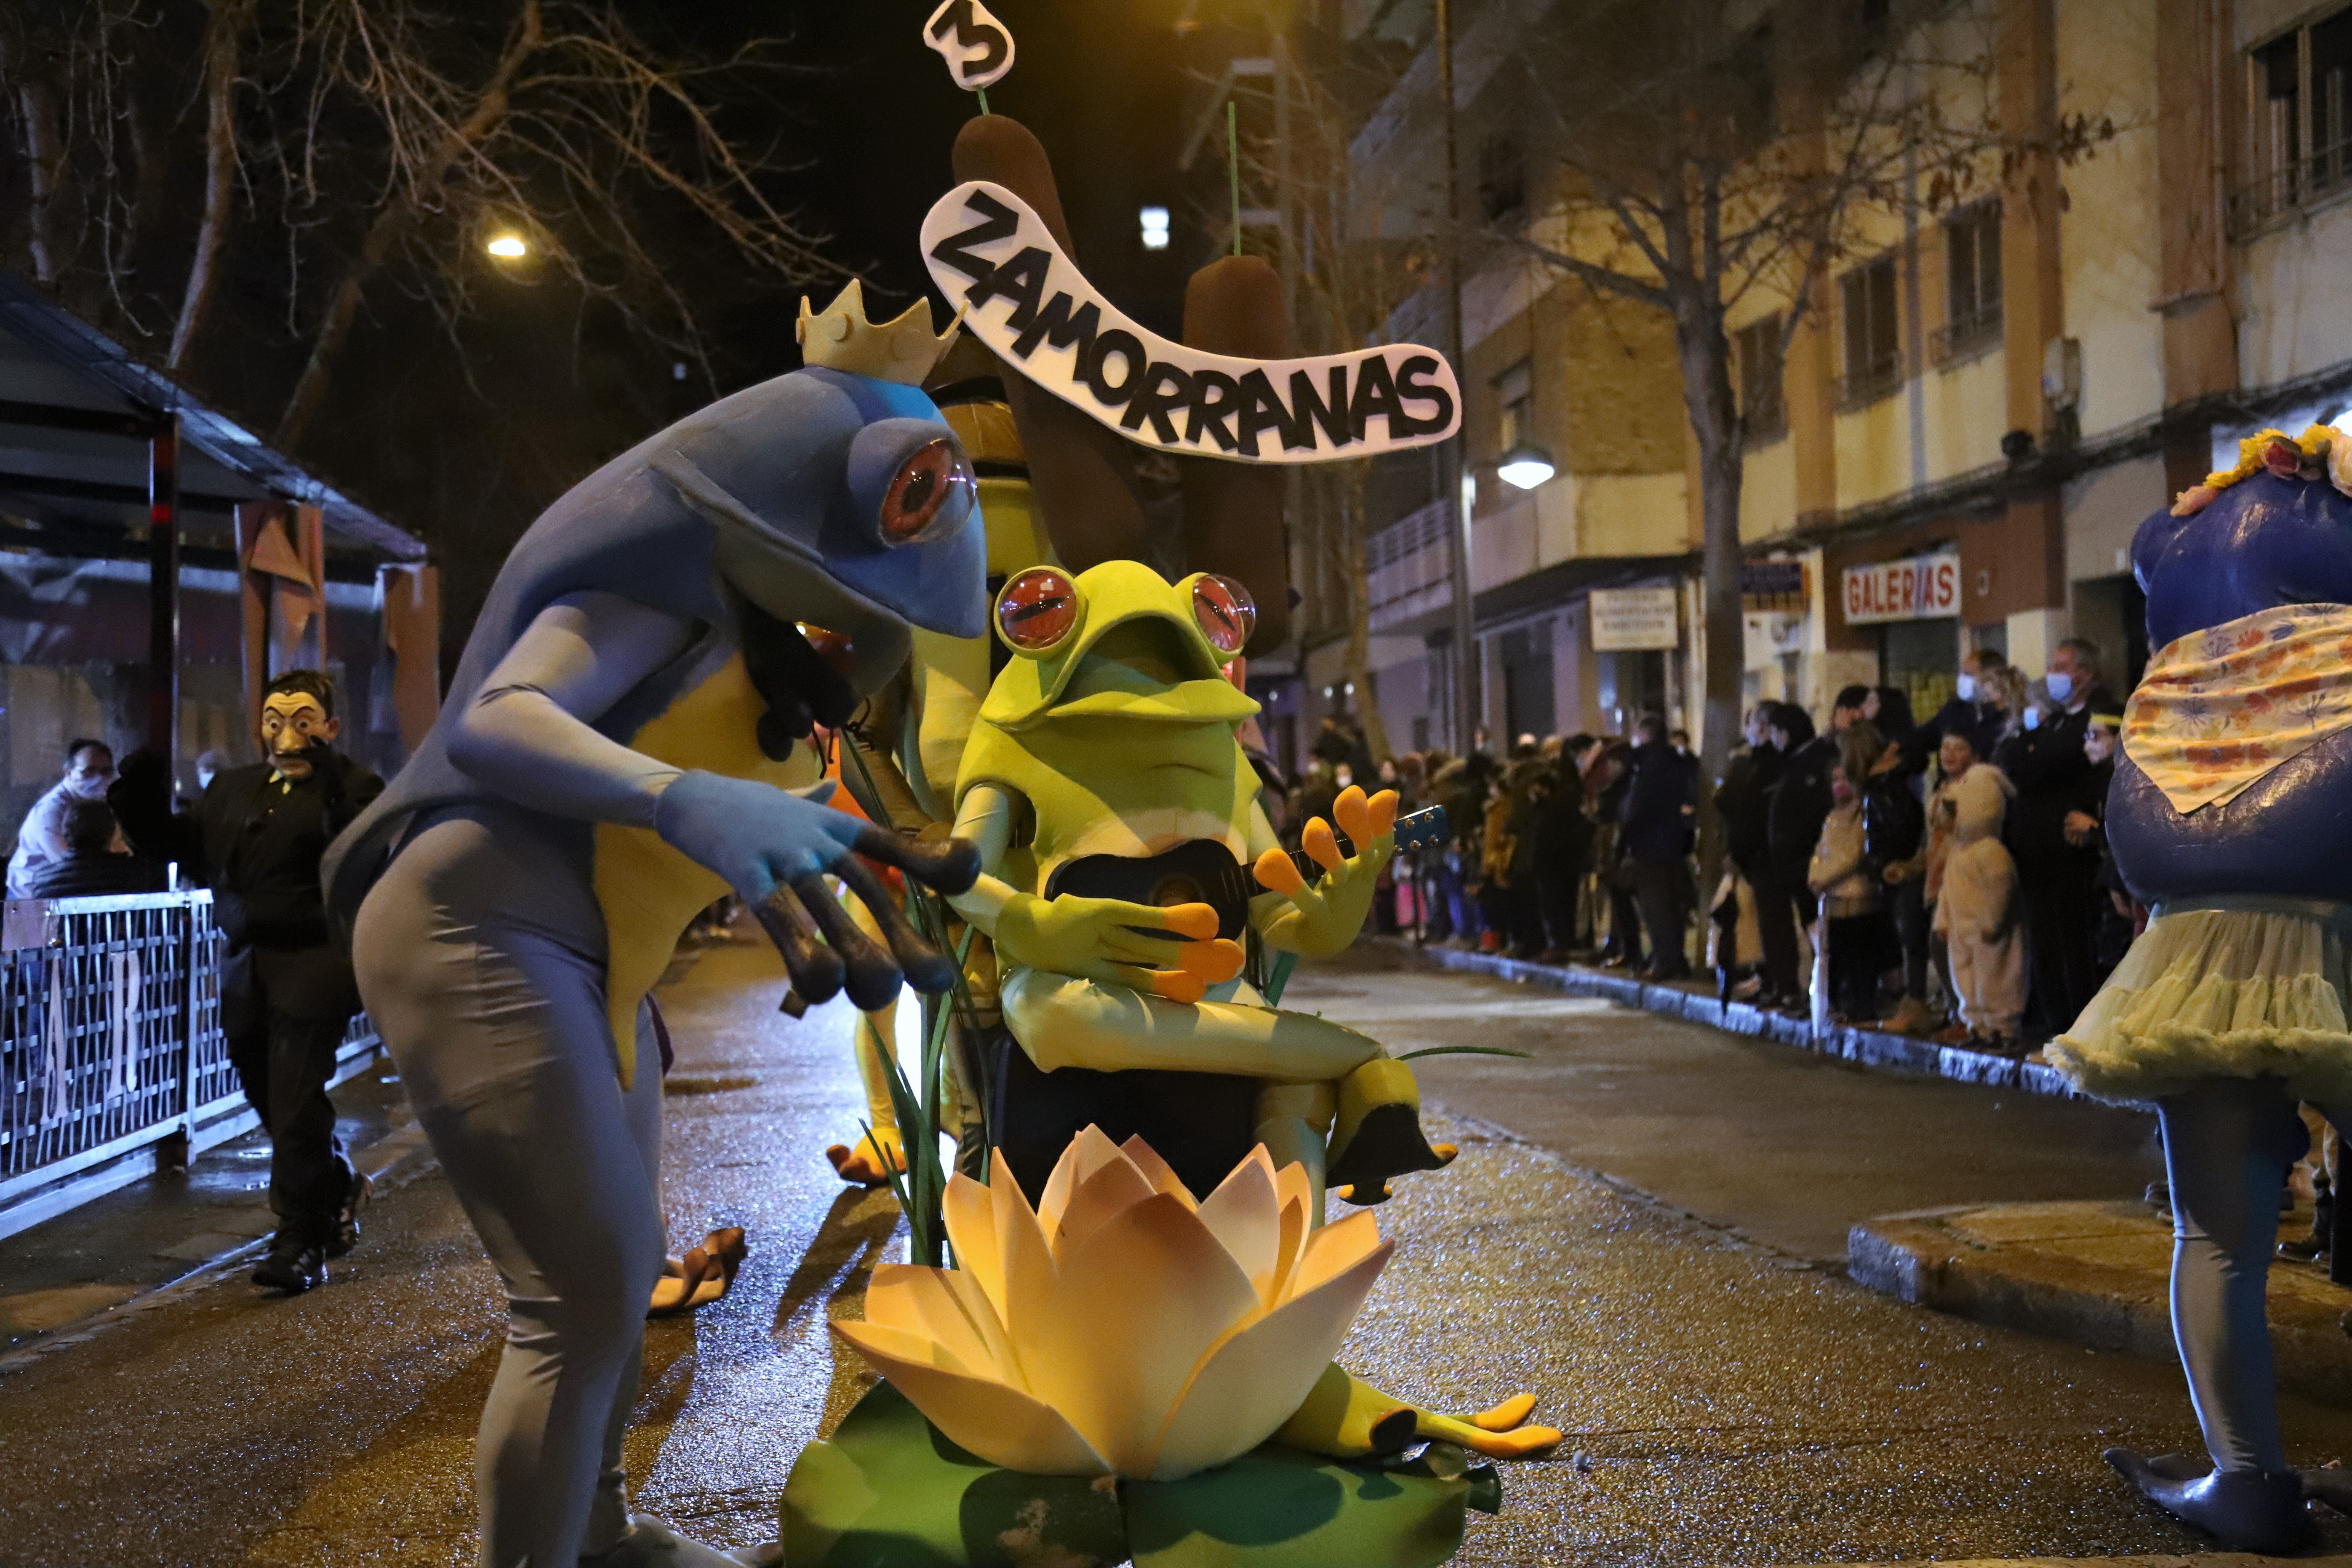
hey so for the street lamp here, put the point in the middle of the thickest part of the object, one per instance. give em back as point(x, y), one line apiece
point(508, 246)
point(1526, 465)
point(1155, 228)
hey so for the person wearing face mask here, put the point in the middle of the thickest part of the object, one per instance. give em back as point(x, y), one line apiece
point(288, 994)
point(1972, 714)
point(89, 769)
point(2057, 873)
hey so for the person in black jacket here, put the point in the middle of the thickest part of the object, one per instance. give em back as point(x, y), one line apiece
point(1661, 804)
point(1972, 713)
point(1564, 849)
point(287, 991)
point(1793, 827)
point(2057, 876)
point(91, 866)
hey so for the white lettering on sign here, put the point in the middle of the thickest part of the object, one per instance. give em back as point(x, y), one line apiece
point(1922, 588)
point(1625, 620)
point(1028, 303)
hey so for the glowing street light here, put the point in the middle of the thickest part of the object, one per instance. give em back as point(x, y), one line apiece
point(1155, 227)
point(1526, 465)
point(508, 246)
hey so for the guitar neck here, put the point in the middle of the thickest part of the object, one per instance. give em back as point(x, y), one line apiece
point(1415, 830)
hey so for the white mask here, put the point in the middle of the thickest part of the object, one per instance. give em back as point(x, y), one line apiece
point(2061, 685)
point(1966, 686)
point(2033, 717)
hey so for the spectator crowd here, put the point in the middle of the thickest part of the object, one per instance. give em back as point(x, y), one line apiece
point(1944, 877)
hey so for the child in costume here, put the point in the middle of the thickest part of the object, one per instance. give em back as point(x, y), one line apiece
point(2227, 817)
point(1977, 912)
point(616, 750)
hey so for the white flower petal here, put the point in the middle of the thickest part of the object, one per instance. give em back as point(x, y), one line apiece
point(1294, 1235)
point(1089, 1151)
point(1248, 1387)
point(1027, 1262)
point(1099, 1198)
point(1134, 1311)
point(1157, 1171)
point(923, 1302)
point(1334, 1249)
point(999, 1424)
point(970, 1216)
point(1244, 1214)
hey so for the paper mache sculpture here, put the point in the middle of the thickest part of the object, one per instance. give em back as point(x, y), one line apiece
point(1128, 1373)
point(2228, 818)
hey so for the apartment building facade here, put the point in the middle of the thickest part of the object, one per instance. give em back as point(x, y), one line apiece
point(1954, 446)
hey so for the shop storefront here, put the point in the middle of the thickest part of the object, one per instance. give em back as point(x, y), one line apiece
point(1913, 608)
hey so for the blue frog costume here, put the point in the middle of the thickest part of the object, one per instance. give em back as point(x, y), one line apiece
point(2231, 816)
point(616, 752)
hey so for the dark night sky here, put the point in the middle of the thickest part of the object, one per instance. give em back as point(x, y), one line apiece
point(1101, 83)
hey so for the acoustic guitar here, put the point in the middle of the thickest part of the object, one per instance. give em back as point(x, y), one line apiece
point(1203, 871)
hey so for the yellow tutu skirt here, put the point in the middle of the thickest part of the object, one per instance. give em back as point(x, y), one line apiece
point(2225, 988)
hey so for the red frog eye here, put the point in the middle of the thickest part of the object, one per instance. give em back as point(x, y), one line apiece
point(1224, 611)
point(922, 495)
point(1037, 610)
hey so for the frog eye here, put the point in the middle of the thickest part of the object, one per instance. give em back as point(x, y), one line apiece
point(931, 495)
point(1038, 610)
point(1224, 612)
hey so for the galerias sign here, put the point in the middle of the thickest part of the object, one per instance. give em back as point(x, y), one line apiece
point(1920, 588)
point(1029, 302)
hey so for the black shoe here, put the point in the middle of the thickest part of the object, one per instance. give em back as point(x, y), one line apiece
point(297, 1261)
point(347, 1218)
point(2246, 1511)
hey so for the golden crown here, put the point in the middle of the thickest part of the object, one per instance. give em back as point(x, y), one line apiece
point(841, 338)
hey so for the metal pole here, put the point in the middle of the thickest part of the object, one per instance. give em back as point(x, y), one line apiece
point(1457, 538)
point(163, 592)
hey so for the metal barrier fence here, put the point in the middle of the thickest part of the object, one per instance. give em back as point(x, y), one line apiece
point(113, 1062)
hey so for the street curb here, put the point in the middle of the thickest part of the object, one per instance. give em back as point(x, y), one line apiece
point(1914, 1258)
point(381, 1162)
point(1862, 1047)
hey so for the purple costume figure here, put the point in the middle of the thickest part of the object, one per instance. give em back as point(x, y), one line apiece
point(2231, 816)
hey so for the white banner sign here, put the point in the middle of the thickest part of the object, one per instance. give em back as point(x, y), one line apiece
point(976, 46)
point(1918, 589)
point(1626, 620)
point(1026, 300)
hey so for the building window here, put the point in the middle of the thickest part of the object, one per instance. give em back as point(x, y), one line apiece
point(1502, 178)
point(1515, 407)
point(1874, 346)
point(1971, 283)
point(2298, 141)
point(1755, 354)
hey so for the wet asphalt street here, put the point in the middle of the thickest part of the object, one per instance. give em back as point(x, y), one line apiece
point(1730, 1397)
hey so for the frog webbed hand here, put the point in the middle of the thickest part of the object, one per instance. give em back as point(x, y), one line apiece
point(1323, 919)
point(1111, 940)
point(775, 847)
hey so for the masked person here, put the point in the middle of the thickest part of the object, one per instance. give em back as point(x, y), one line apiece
point(89, 769)
point(2058, 874)
point(286, 992)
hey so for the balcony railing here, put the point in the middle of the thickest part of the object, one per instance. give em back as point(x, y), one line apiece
point(1966, 337)
point(2288, 189)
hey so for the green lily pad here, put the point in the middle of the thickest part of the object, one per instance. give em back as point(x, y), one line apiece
point(889, 1491)
point(1277, 1508)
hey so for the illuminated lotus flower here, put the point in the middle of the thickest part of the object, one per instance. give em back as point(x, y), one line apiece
point(1120, 1328)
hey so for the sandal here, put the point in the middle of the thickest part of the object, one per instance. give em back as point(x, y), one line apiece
point(704, 1274)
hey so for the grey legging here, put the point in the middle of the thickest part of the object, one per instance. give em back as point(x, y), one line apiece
point(2227, 1147)
point(500, 1033)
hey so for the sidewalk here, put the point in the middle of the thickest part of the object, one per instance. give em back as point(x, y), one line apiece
point(2097, 1274)
point(69, 1276)
point(1695, 1000)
